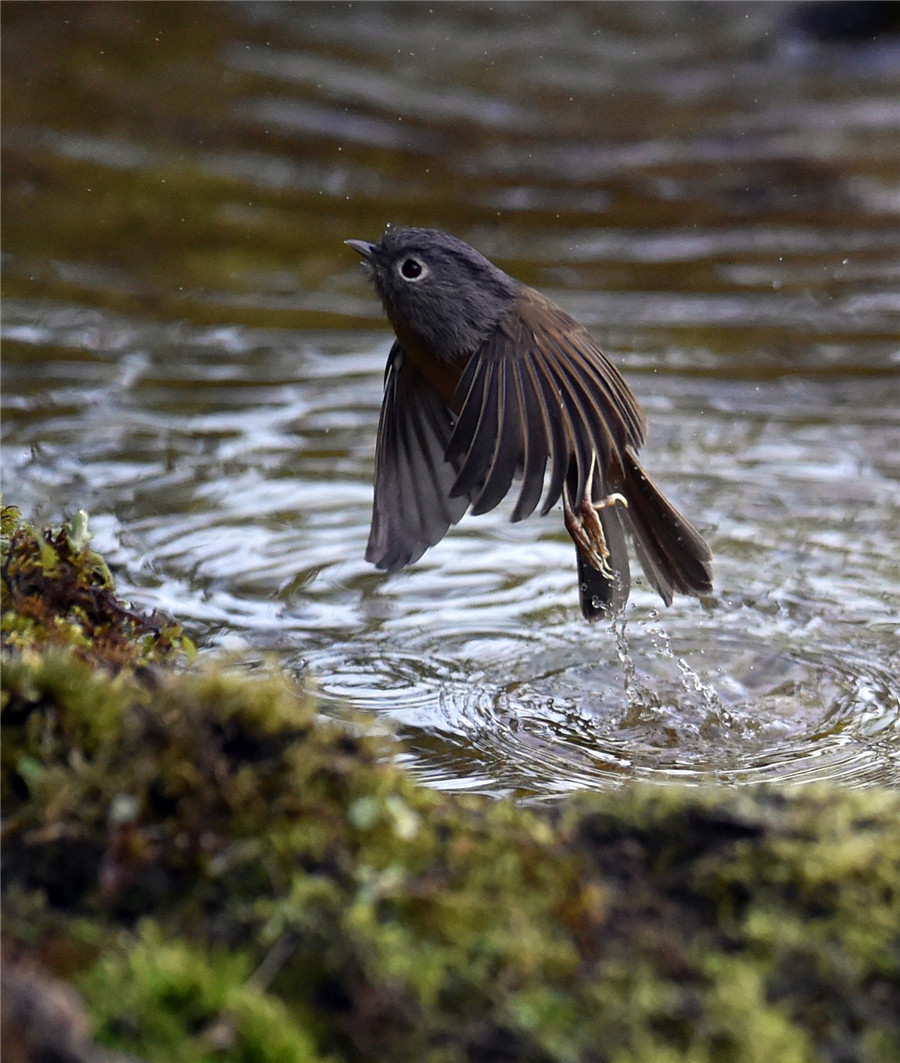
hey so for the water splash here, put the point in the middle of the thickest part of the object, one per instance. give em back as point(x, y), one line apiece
point(691, 682)
point(640, 697)
point(637, 696)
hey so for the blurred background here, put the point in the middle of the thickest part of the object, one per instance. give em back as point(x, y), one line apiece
point(192, 355)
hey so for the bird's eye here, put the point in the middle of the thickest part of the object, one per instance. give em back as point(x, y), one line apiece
point(411, 269)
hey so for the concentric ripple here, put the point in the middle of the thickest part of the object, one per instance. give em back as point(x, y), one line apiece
point(794, 716)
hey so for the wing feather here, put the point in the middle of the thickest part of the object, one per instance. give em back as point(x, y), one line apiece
point(538, 390)
point(469, 402)
point(536, 435)
point(580, 430)
point(550, 408)
point(412, 509)
point(475, 451)
point(552, 327)
point(607, 388)
point(510, 440)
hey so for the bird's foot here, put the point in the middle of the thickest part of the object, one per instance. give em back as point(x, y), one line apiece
point(583, 524)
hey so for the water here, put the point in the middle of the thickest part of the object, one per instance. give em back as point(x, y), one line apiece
point(192, 355)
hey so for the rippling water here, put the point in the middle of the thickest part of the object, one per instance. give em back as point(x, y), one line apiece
point(192, 355)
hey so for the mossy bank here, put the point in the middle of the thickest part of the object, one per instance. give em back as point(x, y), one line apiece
point(223, 874)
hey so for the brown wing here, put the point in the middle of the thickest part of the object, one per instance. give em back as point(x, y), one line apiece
point(538, 390)
point(413, 508)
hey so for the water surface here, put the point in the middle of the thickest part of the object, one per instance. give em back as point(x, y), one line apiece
point(193, 356)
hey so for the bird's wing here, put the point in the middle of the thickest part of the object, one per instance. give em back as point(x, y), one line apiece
point(539, 389)
point(413, 508)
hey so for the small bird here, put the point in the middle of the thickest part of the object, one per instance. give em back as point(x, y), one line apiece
point(487, 381)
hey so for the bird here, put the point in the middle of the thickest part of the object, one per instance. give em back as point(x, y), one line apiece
point(488, 382)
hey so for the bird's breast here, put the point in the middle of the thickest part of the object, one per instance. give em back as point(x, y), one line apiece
point(441, 374)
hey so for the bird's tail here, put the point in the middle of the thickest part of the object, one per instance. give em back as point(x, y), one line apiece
point(673, 554)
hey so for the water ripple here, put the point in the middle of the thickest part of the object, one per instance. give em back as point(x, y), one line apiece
point(192, 355)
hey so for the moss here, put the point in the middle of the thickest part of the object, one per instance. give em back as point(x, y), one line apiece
point(198, 1003)
point(56, 591)
point(224, 874)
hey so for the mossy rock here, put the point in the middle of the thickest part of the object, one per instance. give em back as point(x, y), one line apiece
point(224, 874)
point(56, 591)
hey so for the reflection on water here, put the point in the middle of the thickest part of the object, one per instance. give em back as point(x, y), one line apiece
point(192, 355)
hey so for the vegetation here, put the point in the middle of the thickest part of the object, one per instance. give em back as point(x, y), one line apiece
point(224, 874)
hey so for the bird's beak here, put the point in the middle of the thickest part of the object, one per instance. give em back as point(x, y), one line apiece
point(363, 248)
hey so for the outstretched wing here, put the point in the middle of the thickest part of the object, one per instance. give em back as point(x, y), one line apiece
point(413, 506)
point(538, 390)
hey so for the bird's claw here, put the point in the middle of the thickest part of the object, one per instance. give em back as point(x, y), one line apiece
point(583, 524)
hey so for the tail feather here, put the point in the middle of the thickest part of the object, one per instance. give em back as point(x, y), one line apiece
point(658, 577)
point(672, 552)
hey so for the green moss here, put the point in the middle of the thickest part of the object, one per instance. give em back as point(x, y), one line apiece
point(182, 1002)
point(56, 591)
point(225, 874)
